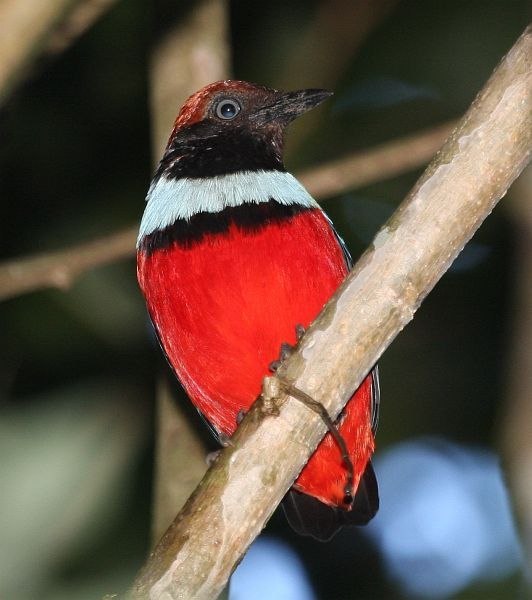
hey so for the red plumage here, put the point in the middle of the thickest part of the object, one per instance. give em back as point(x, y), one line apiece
point(223, 301)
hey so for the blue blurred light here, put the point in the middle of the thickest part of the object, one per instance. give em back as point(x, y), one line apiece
point(270, 570)
point(445, 519)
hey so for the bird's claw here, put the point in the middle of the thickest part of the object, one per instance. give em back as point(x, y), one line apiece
point(300, 331)
point(211, 457)
point(287, 349)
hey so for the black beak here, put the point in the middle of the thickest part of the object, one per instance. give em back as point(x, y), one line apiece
point(287, 106)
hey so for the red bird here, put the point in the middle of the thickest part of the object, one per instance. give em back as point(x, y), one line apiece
point(232, 254)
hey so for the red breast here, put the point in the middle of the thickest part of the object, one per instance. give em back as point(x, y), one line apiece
point(233, 253)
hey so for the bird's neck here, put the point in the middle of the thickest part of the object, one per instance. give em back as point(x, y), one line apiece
point(202, 150)
point(191, 206)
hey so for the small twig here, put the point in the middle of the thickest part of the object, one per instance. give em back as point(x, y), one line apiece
point(60, 268)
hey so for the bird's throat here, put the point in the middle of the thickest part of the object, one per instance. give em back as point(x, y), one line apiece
point(184, 209)
point(246, 217)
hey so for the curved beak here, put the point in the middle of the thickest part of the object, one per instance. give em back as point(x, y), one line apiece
point(287, 106)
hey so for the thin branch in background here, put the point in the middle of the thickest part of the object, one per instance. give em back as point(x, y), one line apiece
point(193, 53)
point(60, 269)
point(326, 47)
point(322, 53)
point(375, 164)
point(180, 459)
point(459, 189)
point(81, 17)
point(31, 28)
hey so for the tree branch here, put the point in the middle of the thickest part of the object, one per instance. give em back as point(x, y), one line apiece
point(60, 269)
point(485, 153)
point(30, 28)
point(376, 164)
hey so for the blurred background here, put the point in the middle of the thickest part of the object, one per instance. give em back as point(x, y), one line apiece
point(79, 368)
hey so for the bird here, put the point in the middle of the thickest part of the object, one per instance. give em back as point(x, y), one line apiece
point(233, 256)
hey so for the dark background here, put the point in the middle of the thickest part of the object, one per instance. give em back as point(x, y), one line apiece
point(77, 369)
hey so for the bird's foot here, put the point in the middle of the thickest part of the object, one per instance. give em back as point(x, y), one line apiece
point(240, 416)
point(225, 441)
point(287, 349)
point(210, 459)
point(300, 331)
point(320, 410)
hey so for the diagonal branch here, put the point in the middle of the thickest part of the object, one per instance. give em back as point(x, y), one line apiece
point(59, 269)
point(481, 158)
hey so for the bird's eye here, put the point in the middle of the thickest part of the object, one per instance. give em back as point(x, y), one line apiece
point(227, 109)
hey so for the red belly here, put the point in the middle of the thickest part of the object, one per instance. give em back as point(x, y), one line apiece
point(223, 305)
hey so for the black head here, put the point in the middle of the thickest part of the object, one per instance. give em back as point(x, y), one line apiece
point(232, 126)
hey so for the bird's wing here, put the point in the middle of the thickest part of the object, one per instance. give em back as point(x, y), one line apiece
point(375, 387)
